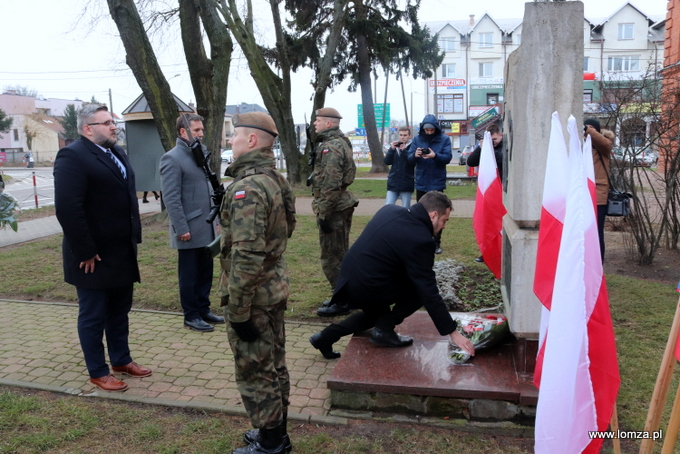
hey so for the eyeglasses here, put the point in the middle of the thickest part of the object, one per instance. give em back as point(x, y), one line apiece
point(105, 123)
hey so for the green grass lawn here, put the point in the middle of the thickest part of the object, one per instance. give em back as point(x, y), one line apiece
point(36, 422)
point(158, 266)
point(366, 188)
point(642, 312)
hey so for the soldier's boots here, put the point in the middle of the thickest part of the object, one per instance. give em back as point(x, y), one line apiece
point(253, 436)
point(267, 441)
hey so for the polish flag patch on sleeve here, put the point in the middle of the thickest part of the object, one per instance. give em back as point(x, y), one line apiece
point(238, 195)
point(326, 150)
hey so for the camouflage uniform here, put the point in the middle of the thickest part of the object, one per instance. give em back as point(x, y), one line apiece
point(334, 170)
point(255, 279)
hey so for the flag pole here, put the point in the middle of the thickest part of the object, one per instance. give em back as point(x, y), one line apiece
point(614, 424)
point(663, 382)
point(673, 426)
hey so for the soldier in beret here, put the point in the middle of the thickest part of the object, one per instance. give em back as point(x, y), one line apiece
point(333, 204)
point(257, 218)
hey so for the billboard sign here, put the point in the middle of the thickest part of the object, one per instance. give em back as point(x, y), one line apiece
point(379, 115)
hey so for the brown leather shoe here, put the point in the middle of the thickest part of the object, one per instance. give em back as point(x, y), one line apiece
point(133, 370)
point(109, 383)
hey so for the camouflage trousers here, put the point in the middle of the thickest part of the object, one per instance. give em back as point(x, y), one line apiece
point(334, 245)
point(261, 373)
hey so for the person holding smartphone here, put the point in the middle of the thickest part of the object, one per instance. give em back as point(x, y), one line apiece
point(400, 179)
point(430, 152)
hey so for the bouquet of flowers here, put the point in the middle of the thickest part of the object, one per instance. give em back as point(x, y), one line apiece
point(8, 206)
point(484, 330)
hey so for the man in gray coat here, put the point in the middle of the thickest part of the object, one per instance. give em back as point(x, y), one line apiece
point(186, 193)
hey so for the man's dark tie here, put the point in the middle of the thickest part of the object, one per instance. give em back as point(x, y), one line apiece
point(118, 163)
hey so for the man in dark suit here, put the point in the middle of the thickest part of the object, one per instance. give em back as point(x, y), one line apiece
point(387, 273)
point(96, 205)
point(186, 193)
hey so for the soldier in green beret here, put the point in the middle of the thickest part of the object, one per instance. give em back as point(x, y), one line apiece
point(333, 204)
point(257, 218)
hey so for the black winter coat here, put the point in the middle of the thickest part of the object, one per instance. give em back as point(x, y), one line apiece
point(392, 259)
point(99, 213)
point(400, 178)
point(473, 159)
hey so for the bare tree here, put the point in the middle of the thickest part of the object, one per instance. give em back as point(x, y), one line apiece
point(275, 89)
point(32, 129)
point(209, 76)
point(142, 61)
point(20, 90)
point(634, 113)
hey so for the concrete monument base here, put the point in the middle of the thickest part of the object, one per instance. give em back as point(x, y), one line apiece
point(519, 263)
point(421, 380)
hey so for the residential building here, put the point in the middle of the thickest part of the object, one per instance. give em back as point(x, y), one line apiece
point(618, 50)
point(230, 111)
point(35, 127)
point(671, 86)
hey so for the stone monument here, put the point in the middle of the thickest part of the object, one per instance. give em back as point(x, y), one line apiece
point(545, 74)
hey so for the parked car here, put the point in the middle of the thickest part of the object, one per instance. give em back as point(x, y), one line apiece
point(227, 156)
point(640, 157)
point(464, 153)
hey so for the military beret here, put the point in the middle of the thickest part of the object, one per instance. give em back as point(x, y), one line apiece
point(257, 120)
point(328, 112)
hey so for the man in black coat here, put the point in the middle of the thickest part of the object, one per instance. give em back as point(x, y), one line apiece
point(96, 205)
point(387, 273)
point(497, 141)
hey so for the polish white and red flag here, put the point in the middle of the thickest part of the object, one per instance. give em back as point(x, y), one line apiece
point(487, 219)
point(580, 378)
point(550, 231)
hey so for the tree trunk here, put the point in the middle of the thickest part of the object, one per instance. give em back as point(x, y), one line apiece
point(323, 79)
point(142, 61)
point(275, 90)
point(209, 77)
point(363, 59)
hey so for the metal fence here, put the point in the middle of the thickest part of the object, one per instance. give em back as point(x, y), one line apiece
point(17, 157)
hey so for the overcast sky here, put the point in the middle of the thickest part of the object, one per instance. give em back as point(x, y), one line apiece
point(62, 53)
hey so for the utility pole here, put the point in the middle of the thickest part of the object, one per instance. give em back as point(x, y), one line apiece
point(382, 126)
point(403, 96)
point(110, 103)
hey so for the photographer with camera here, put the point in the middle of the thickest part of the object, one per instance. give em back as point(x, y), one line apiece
point(400, 179)
point(187, 196)
point(430, 151)
point(602, 141)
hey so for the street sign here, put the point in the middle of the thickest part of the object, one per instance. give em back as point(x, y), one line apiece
point(378, 109)
point(361, 131)
point(484, 117)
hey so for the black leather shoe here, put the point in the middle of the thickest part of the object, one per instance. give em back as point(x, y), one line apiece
point(326, 350)
point(480, 259)
point(389, 339)
point(212, 318)
point(333, 310)
point(326, 303)
point(253, 436)
point(198, 325)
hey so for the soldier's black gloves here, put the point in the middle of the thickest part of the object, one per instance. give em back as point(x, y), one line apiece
point(246, 331)
point(325, 226)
